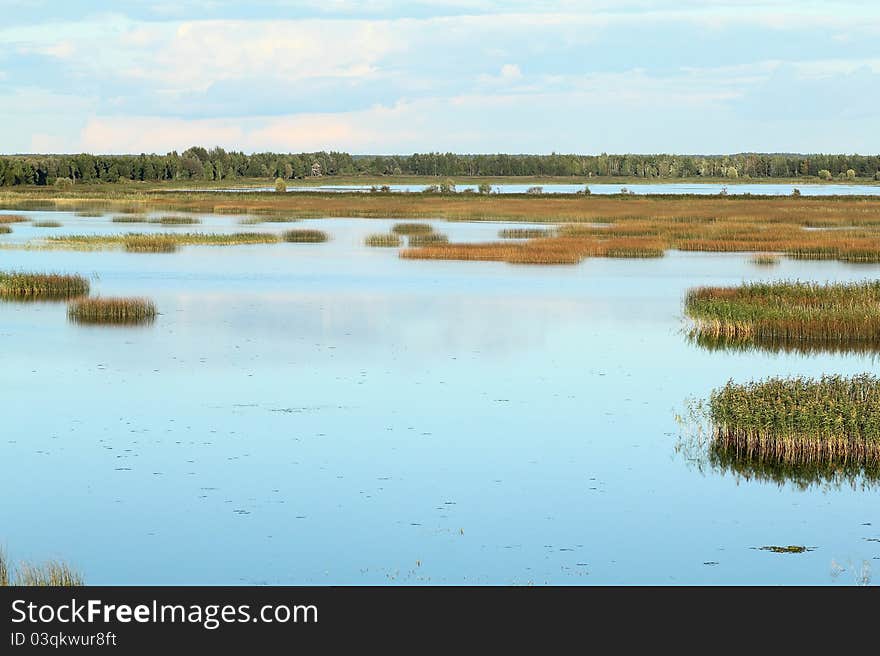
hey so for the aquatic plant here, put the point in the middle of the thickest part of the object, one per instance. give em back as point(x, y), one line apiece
point(121, 310)
point(176, 220)
point(159, 242)
point(427, 240)
point(304, 235)
point(412, 228)
point(765, 259)
point(47, 224)
point(382, 240)
point(523, 233)
point(42, 285)
point(5, 230)
point(255, 220)
point(131, 218)
point(12, 218)
point(91, 214)
point(833, 419)
point(787, 312)
point(146, 243)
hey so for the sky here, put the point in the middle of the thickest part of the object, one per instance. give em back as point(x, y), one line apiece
point(382, 76)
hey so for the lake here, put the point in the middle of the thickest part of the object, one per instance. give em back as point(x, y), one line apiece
point(332, 414)
point(700, 189)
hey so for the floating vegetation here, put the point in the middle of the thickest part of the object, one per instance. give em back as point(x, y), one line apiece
point(5, 230)
point(788, 315)
point(427, 240)
point(524, 233)
point(12, 218)
point(765, 259)
point(118, 311)
point(305, 236)
point(790, 549)
point(47, 224)
point(91, 214)
point(383, 241)
point(176, 220)
point(49, 573)
point(833, 420)
point(30, 286)
point(412, 229)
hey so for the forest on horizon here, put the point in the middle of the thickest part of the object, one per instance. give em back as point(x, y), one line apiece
point(199, 163)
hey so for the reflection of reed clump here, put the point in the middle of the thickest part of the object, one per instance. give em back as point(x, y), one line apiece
point(791, 314)
point(759, 467)
point(784, 344)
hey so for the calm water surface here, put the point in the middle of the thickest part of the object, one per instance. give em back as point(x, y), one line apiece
point(698, 188)
point(330, 413)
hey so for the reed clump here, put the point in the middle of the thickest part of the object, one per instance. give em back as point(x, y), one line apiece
point(130, 218)
point(832, 419)
point(523, 233)
point(47, 224)
point(545, 250)
point(765, 259)
point(430, 239)
point(91, 214)
point(305, 236)
point(162, 242)
point(176, 220)
point(383, 241)
point(5, 230)
point(118, 311)
point(47, 286)
point(13, 218)
point(49, 573)
point(793, 313)
point(146, 243)
point(256, 220)
point(408, 229)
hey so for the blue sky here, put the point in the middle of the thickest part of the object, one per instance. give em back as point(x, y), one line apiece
point(398, 77)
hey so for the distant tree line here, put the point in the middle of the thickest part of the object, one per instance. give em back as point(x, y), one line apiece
point(198, 163)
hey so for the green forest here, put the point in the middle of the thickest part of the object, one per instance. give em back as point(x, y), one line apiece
point(199, 163)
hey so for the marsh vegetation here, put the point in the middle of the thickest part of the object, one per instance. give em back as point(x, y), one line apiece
point(787, 314)
point(112, 311)
point(158, 242)
point(381, 240)
point(48, 286)
point(412, 229)
point(305, 236)
point(800, 421)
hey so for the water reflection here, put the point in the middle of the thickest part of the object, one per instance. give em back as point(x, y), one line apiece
point(698, 446)
point(783, 344)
